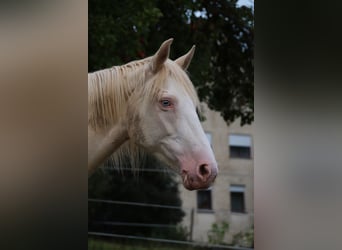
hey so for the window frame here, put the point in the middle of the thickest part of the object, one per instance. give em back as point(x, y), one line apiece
point(241, 190)
point(249, 147)
point(205, 210)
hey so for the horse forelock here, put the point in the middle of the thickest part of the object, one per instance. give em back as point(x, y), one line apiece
point(182, 79)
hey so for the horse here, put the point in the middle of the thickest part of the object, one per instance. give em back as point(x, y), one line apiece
point(150, 106)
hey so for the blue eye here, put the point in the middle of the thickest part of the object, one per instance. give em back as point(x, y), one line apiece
point(166, 103)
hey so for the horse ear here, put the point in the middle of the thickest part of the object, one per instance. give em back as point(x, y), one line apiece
point(161, 56)
point(184, 61)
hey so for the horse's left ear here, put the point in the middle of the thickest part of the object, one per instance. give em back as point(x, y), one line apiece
point(161, 56)
point(184, 61)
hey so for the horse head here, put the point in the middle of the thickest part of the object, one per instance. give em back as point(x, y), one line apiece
point(164, 120)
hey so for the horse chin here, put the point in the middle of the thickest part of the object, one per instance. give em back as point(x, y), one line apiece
point(190, 184)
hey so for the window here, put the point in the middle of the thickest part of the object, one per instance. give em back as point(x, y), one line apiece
point(204, 199)
point(240, 146)
point(237, 198)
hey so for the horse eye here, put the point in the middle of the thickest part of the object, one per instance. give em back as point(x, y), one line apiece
point(166, 103)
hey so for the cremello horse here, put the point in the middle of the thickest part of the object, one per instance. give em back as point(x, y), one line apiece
point(150, 105)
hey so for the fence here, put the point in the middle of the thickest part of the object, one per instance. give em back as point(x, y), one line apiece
point(152, 239)
point(196, 244)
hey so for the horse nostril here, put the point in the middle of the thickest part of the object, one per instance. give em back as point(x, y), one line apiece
point(204, 171)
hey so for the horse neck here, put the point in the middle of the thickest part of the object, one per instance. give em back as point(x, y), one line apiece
point(108, 92)
point(103, 130)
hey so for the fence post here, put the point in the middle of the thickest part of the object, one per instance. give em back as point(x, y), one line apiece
point(191, 223)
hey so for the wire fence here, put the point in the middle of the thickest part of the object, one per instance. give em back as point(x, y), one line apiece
point(135, 203)
point(189, 211)
point(179, 242)
point(116, 228)
point(132, 224)
point(142, 204)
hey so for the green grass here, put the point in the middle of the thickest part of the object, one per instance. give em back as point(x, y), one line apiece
point(106, 245)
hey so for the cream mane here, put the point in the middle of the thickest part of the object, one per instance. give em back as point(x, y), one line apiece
point(110, 90)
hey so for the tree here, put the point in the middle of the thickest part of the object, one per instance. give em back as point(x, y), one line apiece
point(229, 77)
point(115, 30)
point(222, 68)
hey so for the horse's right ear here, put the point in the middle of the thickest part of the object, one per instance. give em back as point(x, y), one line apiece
point(184, 61)
point(160, 56)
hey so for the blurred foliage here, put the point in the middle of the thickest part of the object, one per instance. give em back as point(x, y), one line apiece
point(145, 187)
point(178, 233)
point(217, 233)
point(222, 68)
point(244, 239)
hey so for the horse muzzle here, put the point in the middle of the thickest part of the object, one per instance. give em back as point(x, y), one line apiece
point(202, 177)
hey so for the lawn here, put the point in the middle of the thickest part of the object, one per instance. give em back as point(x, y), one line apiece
point(106, 245)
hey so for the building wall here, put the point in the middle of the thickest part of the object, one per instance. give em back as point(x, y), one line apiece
point(231, 172)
